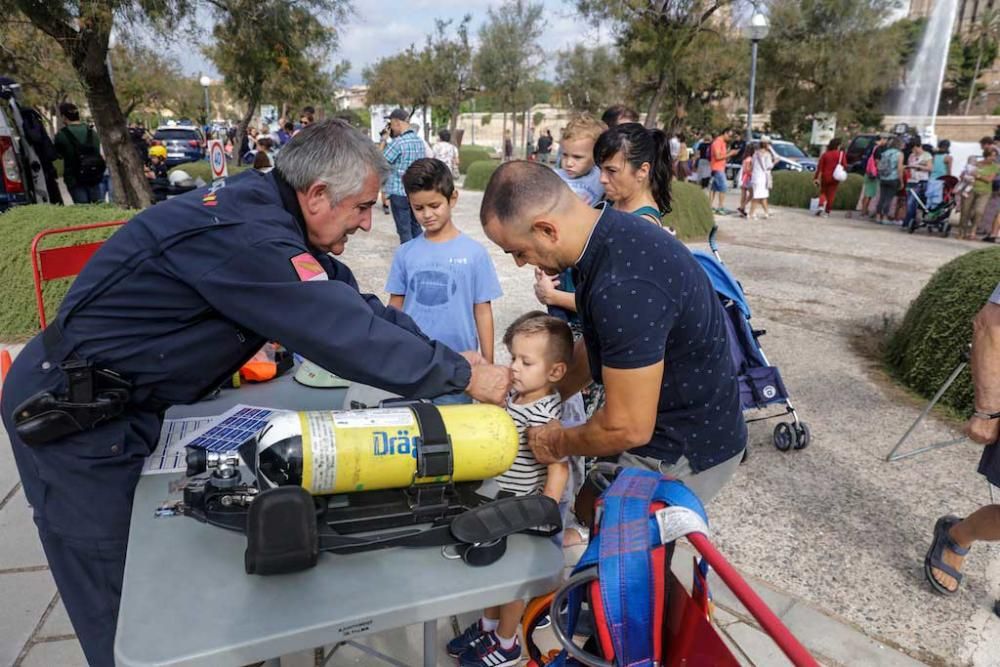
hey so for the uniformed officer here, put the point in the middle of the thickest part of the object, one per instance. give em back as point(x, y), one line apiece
point(170, 306)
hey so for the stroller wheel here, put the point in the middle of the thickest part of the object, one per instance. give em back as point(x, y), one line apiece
point(784, 436)
point(802, 436)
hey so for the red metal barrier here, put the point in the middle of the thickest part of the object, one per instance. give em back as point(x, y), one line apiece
point(61, 261)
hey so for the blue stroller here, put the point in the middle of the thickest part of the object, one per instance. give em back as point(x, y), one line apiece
point(760, 382)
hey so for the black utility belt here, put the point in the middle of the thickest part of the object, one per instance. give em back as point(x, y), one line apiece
point(93, 396)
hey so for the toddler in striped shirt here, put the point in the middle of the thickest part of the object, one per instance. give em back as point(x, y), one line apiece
point(541, 348)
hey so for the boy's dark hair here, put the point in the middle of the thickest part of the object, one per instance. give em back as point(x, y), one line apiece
point(70, 111)
point(560, 343)
point(289, 126)
point(444, 135)
point(429, 173)
point(639, 145)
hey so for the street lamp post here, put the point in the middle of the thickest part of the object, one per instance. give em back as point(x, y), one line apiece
point(756, 32)
point(205, 83)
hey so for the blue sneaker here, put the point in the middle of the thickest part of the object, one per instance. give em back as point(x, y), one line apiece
point(459, 644)
point(487, 652)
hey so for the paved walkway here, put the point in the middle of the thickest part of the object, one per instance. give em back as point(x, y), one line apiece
point(832, 537)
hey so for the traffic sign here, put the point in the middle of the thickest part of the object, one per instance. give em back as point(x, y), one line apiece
point(217, 158)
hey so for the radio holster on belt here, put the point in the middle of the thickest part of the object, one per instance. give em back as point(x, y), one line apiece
point(93, 396)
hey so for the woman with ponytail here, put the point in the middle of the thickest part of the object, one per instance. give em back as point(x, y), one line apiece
point(636, 170)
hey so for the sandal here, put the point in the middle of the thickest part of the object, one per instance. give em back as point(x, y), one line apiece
point(942, 541)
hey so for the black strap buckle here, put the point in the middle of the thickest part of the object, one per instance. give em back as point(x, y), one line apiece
point(434, 455)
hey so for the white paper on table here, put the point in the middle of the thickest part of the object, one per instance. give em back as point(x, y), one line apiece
point(218, 433)
point(169, 455)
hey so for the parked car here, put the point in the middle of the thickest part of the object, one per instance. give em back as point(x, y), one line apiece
point(856, 151)
point(13, 190)
point(183, 143)
point(789, 158)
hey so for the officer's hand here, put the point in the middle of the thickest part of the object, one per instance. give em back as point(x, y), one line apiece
point(983, 431)
point(489, 383)
point(546, 442)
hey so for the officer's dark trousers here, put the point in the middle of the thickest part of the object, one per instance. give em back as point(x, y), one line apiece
point(406, 226)
point(80, 490)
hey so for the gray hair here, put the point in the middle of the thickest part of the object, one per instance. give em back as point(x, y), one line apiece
point(333, 152)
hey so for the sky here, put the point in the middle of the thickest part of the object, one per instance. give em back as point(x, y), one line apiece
point(387, 27)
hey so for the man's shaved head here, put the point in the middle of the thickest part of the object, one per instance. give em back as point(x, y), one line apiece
point(521, 190)
point(534, 217)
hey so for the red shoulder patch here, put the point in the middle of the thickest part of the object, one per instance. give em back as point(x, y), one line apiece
point(308, 267)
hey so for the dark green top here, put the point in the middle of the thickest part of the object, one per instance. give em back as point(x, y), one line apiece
point(650, 211)
point(67, 151)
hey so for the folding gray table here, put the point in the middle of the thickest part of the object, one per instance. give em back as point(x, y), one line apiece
point(186, 599)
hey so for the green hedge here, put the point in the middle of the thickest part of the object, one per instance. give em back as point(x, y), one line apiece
point(479, 174)
point(795, 189)
point(938, 326)
point(18, 313)
point(467, 155)
point(690, 213)
point(201, 169)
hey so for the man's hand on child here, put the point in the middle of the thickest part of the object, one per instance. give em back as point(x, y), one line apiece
point(488, 383)
point(474, 358)
point(545, 286)
point(546, 442)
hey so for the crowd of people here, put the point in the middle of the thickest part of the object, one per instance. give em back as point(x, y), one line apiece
point(587, 376)
point(899, 177)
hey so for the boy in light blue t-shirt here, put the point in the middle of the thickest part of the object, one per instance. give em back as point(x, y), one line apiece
point(443, 279)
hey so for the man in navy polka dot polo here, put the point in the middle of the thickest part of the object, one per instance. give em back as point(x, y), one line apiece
point(653, 332)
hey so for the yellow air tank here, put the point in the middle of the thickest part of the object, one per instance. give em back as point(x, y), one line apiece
point(329, 452)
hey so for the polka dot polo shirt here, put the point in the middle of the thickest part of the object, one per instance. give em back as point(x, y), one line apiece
point(642, 297)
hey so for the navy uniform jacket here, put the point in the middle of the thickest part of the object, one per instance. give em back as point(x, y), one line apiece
point(185, 293)
point(190, 289)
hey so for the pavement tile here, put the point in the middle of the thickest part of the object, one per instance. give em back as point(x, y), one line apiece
point(840, 642)
point(57, 624)
point(722, 617)
point(8, 470)
point(65, 653)
point(402, 644)
point(24, 596)
point(20, 546)
point(757, 646)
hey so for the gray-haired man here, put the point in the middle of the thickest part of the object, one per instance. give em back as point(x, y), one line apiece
point(175, 302)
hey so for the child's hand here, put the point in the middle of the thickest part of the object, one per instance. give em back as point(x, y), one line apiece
point(545, 287)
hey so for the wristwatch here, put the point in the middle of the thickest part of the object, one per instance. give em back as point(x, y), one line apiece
point(986, 415)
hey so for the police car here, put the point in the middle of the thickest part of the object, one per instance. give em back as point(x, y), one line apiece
point(13, 190)
point(184, 143)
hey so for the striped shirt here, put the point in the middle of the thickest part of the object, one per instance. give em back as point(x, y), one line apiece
point(527, 475)
point(404, 150)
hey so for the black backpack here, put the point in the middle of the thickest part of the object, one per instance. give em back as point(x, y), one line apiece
point(90, 165)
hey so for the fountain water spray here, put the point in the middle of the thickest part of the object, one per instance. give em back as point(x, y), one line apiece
point(925, 75)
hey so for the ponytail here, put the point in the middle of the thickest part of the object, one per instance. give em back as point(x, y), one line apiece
point(639, 145)
point(661, 170)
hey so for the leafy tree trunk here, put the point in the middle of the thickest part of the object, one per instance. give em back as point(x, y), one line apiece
point(427, 127)
point(453, 110)
point(975, 79)
point(131, 189)
point(503, 132)
point(513, 132)
point(86, 48)
point(654, 104)
point(241, 129)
